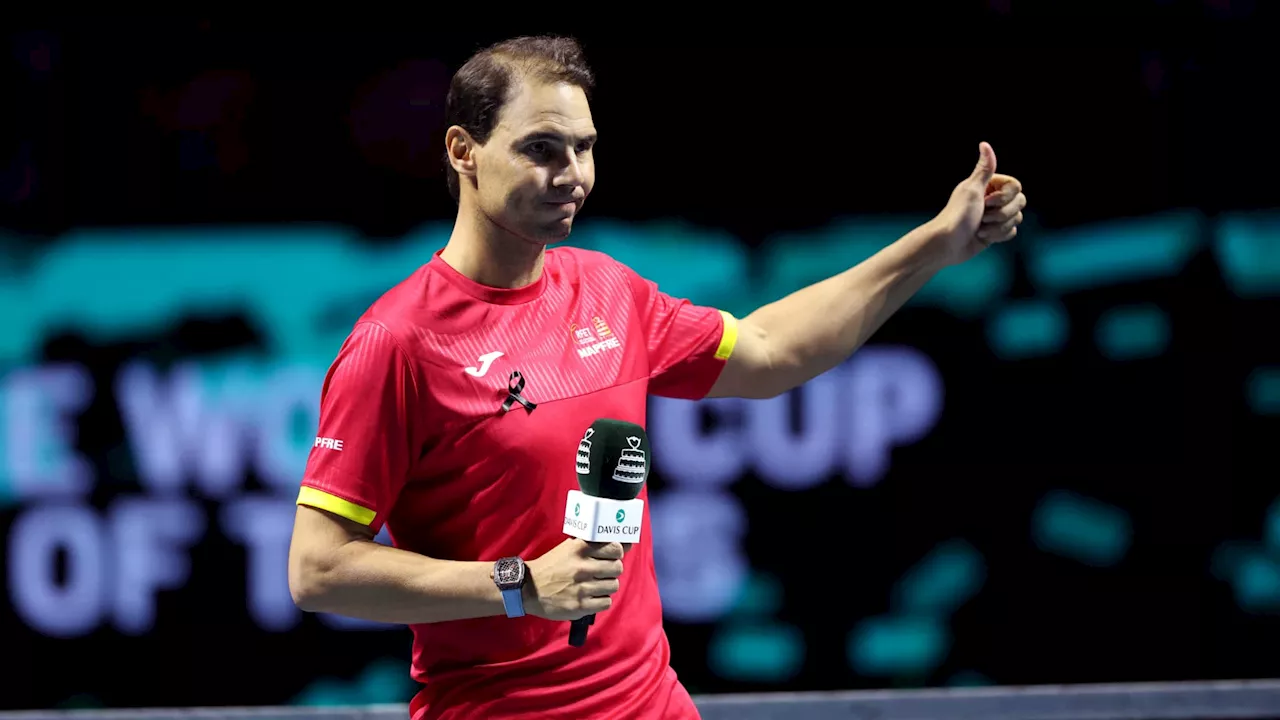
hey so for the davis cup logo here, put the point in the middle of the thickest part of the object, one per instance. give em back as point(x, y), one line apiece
point(583, 465)
point(622, 515)
point(630, 464)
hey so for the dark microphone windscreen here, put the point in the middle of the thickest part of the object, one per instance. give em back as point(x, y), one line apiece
point(613, 459)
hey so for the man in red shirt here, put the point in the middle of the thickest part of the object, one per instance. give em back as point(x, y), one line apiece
point(453, 411)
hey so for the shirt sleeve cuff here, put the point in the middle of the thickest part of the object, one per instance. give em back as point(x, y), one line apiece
point(317, 498)
point(728, 336)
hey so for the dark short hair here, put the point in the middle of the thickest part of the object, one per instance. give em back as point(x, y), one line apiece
point(483, 85)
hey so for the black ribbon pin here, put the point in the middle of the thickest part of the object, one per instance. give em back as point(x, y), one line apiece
point(514, 385)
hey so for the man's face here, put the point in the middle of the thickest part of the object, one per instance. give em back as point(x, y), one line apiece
point(536, 170)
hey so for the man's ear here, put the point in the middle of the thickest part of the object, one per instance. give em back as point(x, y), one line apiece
point(460, 148)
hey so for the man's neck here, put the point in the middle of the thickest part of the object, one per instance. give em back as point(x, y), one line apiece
point(489, 255)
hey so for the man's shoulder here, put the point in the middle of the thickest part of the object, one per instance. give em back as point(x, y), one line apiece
point(579, 254)
point(575, 264)
point(584, 259)
point(403, 312)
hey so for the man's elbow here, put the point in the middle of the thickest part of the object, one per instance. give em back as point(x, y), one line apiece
point(771, 373)
point(304, 586)
point(310, 577)
point(756, 370)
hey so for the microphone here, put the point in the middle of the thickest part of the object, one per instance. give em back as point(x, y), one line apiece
point(612, 465)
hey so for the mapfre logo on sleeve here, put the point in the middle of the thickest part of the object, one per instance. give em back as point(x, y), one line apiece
point(328, 443)
point(595, 339)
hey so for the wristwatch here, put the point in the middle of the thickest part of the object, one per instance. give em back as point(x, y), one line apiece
point(509, 575)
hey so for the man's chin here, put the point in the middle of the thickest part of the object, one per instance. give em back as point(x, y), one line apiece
point(553, 233)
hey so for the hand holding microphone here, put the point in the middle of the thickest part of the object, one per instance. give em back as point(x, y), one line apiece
point(575, 579)
point(612, 466)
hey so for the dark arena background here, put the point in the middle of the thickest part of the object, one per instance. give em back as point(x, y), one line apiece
point(1049, 468)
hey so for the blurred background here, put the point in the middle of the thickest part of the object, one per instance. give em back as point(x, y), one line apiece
point(1051, 467)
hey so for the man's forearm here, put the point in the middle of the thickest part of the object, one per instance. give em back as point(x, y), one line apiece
point(371, 581)
point(818, 327)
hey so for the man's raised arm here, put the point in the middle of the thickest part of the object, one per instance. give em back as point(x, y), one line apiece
point(786, 343)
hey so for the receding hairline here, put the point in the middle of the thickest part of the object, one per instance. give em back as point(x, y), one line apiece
point(523, 67)
point(529, 72)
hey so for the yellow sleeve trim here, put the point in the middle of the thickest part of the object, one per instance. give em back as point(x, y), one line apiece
point(336, 505)
point(729, 339)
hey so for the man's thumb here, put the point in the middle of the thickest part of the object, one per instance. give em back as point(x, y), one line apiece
point(986, 166)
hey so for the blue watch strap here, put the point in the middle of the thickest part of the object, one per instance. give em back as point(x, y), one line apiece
point(513, 602)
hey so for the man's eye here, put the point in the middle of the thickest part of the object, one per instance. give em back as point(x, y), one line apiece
point(539, 148)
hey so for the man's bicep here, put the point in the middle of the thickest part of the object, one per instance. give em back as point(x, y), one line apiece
point(745, 366)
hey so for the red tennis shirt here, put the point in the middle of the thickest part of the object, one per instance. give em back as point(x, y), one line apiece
point(413, 434)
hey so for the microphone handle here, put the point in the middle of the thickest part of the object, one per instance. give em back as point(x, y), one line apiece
point(578, 630)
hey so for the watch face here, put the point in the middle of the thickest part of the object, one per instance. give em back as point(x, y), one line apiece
point(509, 572)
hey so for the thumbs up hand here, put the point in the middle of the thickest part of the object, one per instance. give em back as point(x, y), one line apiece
point(984, 209)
